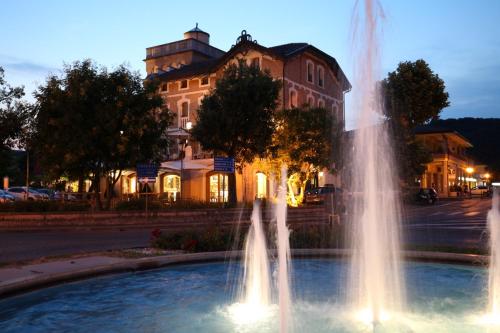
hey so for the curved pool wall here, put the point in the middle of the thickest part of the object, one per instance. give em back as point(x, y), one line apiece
point(47, 280)
point(198, 297)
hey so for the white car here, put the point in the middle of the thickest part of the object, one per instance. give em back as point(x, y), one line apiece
point(479, 190)
point(19, 193)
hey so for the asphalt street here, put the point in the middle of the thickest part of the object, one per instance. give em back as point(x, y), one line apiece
point(447, 223)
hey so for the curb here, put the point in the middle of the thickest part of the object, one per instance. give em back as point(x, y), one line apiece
point(23, 285)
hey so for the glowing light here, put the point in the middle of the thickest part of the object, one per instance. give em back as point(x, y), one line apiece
point(487, 176)
point(369, 317)
point(469, 170)
point(321, 173)
point(490, 319)
point(189, 125)
point(249, 313)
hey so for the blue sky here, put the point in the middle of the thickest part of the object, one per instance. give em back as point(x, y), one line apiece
point(460, 39)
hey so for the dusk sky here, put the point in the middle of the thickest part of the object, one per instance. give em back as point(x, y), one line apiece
point(459, 39)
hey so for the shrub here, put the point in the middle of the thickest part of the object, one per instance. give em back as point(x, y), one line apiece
point(218, 238)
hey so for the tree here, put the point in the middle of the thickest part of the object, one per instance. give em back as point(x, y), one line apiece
point(14, 124)
point(412, 95)
point(236, 118)
point(95, 123)
point(304, 141)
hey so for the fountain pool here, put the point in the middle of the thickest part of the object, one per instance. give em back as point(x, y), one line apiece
point(198, 298)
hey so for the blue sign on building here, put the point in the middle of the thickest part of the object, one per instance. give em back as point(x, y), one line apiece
point(224, 164)
point(147, 173)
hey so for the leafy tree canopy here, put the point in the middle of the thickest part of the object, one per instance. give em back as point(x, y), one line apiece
point(236, 118)
point(14, 123)
point(412, 95)
point(304, 141)
point(91, 121)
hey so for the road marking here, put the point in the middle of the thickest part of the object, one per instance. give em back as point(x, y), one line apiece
point(471, 214)
point(455, 213)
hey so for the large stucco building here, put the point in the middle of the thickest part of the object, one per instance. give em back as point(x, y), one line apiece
point(188, 69)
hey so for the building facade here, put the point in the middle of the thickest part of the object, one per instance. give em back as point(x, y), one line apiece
point(450, 166)
point(189, 68)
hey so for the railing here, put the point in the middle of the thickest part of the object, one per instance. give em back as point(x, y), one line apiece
point(183, 45)
point(183, 122)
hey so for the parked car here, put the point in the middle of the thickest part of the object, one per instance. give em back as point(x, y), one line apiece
point(329, 195)
point(63, 196)
point(427, 195)
point(480, 190)
point(19, 193)
point(6, 197)
point(48, 192)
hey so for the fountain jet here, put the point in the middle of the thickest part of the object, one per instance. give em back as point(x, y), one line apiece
point(376, 280)
point(494, 271)
point(256, 276)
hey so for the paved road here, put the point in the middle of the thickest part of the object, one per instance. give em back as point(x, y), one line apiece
point(456, 223)
point(448, 223)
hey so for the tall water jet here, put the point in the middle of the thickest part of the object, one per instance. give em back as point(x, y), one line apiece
point(283, 246)
point(376, 279)
point(256, 276)
point(494, 271)
point(255, 290)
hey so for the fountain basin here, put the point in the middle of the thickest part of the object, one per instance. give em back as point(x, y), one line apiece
point(199, 297)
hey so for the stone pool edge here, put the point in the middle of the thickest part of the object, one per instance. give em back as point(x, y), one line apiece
point(26, 284)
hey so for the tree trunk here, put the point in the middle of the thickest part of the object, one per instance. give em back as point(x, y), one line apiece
point(97, 190)
point(80, 185)
point(232, 188)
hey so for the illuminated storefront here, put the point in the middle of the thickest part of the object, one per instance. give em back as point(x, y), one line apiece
point(218, 187)
point(261, 192)
point(171, 187)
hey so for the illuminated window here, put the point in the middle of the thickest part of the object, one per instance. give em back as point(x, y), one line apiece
point(261, 186)
point(320, 77)
point(172, 186)
point(218, 186)
point(293, 99)
point(204, 81)
point(310, 72)
point(129, 184)
point(184, 84)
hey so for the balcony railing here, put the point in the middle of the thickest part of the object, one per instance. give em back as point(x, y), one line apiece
point(183, 122)
point(183, 45)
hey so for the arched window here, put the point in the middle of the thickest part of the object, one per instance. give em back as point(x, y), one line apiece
point(321, 103)
point(261, 192)
point(321, 77)
point(310, 101)
point(184, 109)
point(310, 71)
point(171, 187)
point(293, 99)
point(218, 187)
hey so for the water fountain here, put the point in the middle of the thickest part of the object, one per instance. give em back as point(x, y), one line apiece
point(376, 280)
point(493, 312)
point(284, 257)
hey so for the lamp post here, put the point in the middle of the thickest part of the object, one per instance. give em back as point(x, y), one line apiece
point(469, 171)
point(487, 176)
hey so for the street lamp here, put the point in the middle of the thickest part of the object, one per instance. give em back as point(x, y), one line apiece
point(469, 171)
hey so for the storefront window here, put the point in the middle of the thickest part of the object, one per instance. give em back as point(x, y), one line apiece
point(218, 188)
point(172, 187)
point(129, 184)
point(261, 185)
